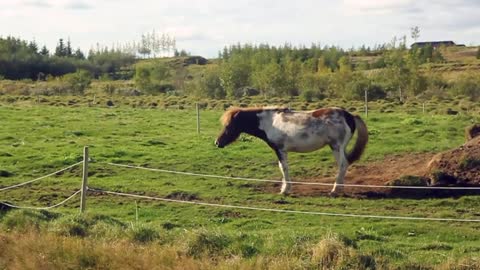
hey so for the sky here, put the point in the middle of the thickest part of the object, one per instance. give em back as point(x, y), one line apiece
point(204, 27)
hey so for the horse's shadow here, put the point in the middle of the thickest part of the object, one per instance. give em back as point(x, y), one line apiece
point(416, 194)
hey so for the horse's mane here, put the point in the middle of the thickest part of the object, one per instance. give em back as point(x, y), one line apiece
point(230, 112)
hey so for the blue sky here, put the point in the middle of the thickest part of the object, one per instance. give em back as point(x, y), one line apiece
point(203, 27)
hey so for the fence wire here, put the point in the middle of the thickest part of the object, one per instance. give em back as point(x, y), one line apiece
point(40, 178)
point(293, 182)
point(43, 208)
point(281, 210)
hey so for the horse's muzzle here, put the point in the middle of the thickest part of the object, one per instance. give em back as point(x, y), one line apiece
point(218, 144)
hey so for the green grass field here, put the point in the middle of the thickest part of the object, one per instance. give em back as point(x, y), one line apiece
point(37, 140)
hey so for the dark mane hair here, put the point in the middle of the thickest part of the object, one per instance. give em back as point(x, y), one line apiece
point(230, 112)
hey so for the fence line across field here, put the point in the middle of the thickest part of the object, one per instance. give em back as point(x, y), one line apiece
point(293, 182)
point(43, 208)
point(84, 188)
point(280, 210)
point(40, 178)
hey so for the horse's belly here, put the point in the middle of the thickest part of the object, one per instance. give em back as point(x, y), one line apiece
point(305, 145)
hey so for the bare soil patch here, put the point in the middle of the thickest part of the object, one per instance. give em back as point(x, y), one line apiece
point(378, 173)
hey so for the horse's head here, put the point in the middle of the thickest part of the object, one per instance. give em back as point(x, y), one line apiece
point(231, 128)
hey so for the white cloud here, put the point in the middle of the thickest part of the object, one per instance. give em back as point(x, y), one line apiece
point(78, 5)
point(37, 3)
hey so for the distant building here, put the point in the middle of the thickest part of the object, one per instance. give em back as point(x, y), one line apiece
point(434, 44)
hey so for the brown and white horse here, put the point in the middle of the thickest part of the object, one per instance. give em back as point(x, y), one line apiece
point(298, 131)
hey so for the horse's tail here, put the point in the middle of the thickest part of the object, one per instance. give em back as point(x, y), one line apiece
point(361, 142)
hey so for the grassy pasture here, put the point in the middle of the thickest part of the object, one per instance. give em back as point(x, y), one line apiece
point(36, 140)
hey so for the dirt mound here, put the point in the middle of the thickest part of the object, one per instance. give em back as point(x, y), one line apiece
point(459, 166)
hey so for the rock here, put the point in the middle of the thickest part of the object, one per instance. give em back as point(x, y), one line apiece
point(472, 132)
point(4, 173)
point(195, 60)
point(451, 112)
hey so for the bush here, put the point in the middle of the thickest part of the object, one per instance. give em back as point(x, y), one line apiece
point(77, 82)
point(308, 95)
point(332, 253)
point(25, 220)
point(143, 234)
point(207, 243)
point(86, 225)
point(150, 77)
point(468, 84)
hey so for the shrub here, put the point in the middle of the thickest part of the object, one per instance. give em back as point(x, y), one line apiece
point(332, 253)
point(143, 234)
point(24, 220)
point(149, 77)
point(468, 84)
point(86, 225)
point(77, 82)
point(207, 243)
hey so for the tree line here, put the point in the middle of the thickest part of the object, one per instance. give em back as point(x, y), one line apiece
point(21, 59)
point(391, 70)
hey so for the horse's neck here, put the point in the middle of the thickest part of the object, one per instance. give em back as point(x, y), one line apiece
point(250, 124)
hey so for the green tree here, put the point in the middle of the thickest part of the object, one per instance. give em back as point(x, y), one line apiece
point(268, 79)
point(33, 47)
point(79, 54)
point(60, 50)
point(211, 83)
point(142, 77)
point(318, 83)
point(68, 49)
point(150, 76)
point(235, 75)
point(341, 77)
point(79, 81)
point(44, 51)
point(292, 73)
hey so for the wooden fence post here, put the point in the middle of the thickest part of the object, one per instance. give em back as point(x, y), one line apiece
point(198, 118)
point(83, 192)
point(366, 103)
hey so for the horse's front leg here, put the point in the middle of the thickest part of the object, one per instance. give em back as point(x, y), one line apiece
point(283, 165)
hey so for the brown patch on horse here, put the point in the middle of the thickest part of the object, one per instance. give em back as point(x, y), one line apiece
point(322, 112)
point(232, 111)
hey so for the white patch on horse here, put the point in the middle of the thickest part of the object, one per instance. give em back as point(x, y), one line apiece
point(300, 131)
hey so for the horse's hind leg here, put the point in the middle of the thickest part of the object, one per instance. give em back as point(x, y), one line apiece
point(339, 153)
point(283, 165)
